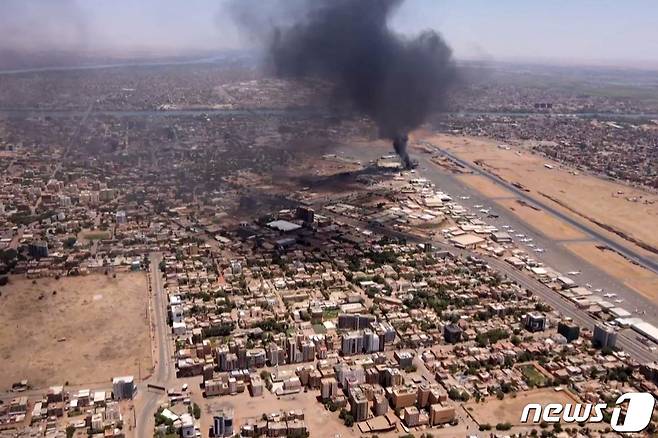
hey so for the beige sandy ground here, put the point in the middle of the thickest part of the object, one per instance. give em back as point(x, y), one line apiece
point(582, 196)
point(543, 222)
point(103, 321)
point(484, 186)
point(319, 421)
point(636, 277)
point(510, 408)
point(586, 195)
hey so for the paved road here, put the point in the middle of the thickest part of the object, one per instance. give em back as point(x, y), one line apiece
point(626, 340)
point(647, 262)
point(556, 255)
point(163, 372)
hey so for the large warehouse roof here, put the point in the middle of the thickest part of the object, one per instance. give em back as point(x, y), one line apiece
point(283, 225)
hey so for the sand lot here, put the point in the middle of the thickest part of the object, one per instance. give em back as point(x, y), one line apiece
point(636, 277)
point(509, 409)
point(633, 211)
point(484, 186)
point(94, 328)
point(320, 422)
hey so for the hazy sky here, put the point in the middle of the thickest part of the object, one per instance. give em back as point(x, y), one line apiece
point(575, 31)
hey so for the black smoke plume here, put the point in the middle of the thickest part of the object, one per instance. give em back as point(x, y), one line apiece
point(395, 80)
point(400, 145)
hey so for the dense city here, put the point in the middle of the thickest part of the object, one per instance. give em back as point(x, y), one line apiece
point(327, 219)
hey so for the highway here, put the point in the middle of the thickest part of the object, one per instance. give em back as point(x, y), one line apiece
point(556, 253)
point(626, 340)
point(163, 372)
point(627, 252)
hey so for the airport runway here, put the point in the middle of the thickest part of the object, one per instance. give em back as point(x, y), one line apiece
point(626, 340)
point(555, 256)
point(647, 262)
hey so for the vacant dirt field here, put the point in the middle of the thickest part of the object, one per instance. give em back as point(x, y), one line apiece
point(636, 277)
point(484, 186)
point(509, 409)
point(94, 327)
point(320, 422)
point(631, 211)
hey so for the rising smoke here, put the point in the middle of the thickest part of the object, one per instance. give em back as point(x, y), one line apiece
point(395, 80)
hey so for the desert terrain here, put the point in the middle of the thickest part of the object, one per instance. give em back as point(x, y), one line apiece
point(636, 277)
point(596, 202)
point(484, 186)
point(78, 330)
point(629, 210)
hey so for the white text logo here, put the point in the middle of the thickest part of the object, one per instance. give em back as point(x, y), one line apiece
point(638, 412)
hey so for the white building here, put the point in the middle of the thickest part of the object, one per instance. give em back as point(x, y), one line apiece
point(123, 387)
point(120, 217)
point(187, 429)
point(176, 313)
